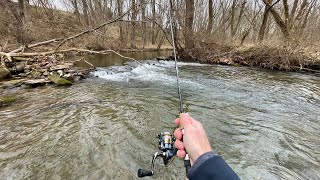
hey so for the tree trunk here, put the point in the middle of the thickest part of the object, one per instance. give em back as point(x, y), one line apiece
point(20, 22)
point(92, 12)
point(293, 12)
point(143, 18)
point(279, 21)
point(233, 12)
point(243, 5)
point(153, 38)
point(209, 27)
point(19, 14)
point(119, 7)
point(133, 24)
point(286, 12)
point(305, 20)
point(264, 22)
point(76, 9)
point(85, 12)
point(189, 41)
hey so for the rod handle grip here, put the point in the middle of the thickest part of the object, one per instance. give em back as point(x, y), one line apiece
point(143, 173)
point(187, 165)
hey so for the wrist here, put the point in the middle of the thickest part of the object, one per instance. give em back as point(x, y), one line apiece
point(200, 153)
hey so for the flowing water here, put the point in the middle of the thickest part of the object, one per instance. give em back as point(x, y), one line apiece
point(265, 124)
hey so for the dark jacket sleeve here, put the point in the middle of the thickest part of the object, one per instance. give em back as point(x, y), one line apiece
point(211, 166)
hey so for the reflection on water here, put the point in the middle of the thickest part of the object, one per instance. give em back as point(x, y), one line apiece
point(265, 124)
point(114, 59)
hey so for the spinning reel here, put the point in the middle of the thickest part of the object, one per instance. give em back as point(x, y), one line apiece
point(167, 152)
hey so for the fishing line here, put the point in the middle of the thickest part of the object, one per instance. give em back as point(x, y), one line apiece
point(187, 163)
point(175, 58)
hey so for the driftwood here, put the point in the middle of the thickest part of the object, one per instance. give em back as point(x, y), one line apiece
point(36, 45)
point(24, 56)
point(6, 55)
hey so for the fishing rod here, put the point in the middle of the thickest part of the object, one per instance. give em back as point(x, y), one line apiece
point(166, 140)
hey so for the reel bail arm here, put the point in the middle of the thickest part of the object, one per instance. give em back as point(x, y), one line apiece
point(168, 152)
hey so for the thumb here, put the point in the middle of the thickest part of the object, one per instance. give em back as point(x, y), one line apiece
point(185, 119)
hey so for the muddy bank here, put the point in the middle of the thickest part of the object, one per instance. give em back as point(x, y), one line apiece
point(282, 59)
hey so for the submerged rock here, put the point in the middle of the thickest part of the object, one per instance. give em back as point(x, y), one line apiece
point(6, 100)
point(36, 82)
point(4, 72)
point(12, 83)
point(59, 81)
point(77, 78)
point(60, 72)
point(20, 67)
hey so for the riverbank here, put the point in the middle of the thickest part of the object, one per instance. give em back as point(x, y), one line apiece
point(64, 68)
point(273, 58)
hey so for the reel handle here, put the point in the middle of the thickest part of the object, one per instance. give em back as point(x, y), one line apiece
point(143, 173)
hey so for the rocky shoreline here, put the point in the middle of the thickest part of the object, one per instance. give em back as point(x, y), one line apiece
point(40, 71)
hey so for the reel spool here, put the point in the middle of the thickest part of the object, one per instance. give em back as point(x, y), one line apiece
point(167, 152)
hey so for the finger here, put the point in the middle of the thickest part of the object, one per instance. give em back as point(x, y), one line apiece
point(179, 145)
point(185, 119)
point(181, 153)
point(178, 134)
point(177, 121)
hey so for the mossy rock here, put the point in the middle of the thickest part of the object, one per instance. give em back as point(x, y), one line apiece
point(4, 72)
point(6, 100)
point(59, 81)
point(35, 74)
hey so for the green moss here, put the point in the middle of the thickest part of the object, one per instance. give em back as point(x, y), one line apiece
point(64, 82)
point(59, 81)
point(35, 74)
point(7, 100)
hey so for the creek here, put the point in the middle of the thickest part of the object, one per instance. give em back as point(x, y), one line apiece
point(265, 124)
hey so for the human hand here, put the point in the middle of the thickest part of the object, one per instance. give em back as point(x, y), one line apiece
point(195, 140)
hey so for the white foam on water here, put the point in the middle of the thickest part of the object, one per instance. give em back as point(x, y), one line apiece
point(133, 71)
point(172, 64)
point(146, 71)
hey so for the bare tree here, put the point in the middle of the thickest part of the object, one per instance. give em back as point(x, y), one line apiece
point(264, 22)
point(143, 18)
point(133, 24)
point(119, 9)
point(189, 41)
point(280, 22)
point(153, 6)
point(85, 12)
point(210, 11)
point(19, 13)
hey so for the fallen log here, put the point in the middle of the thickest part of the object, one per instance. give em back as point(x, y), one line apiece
point(22, 56)
point(6, 55)
point(36, 45)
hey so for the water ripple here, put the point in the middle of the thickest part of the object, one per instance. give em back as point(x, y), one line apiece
point(265, 124)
